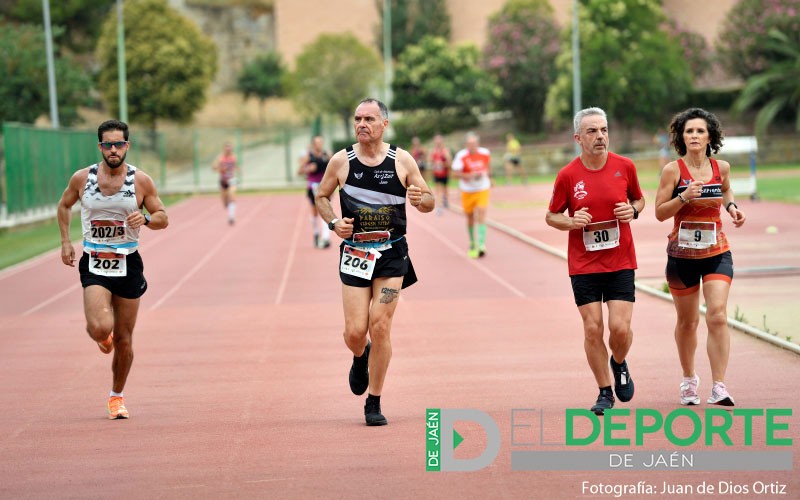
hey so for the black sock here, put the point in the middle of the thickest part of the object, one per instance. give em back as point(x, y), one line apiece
point(606, 389)
point(363, 356)
point(373, 399)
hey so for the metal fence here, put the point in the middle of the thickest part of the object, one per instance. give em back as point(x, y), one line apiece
point(39, 162)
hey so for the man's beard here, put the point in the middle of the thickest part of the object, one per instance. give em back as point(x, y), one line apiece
point(117, 162)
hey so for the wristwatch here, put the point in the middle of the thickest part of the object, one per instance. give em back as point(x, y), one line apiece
point(146, 219)
point(635, 212)
point(332, 224)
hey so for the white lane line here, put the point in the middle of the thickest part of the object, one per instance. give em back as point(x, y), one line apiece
point(56, 253)
point(70, 289)
point(290, 260)
point(183, 226)
point(221, 243)
point(63, 293)
point(460, 252)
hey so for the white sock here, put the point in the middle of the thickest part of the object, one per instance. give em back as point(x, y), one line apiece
point(326, 233)
point(231, 210)
point(112, 393)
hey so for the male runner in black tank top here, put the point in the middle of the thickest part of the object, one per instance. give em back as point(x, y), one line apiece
point(374, 178)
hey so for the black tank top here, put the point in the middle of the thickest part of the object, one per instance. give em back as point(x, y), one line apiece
point(374, 196)
point(321, 162)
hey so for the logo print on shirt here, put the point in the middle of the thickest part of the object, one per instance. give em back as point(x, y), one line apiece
point(358, 175)
point(580, 190)
point(383, 176)
point(618, 174)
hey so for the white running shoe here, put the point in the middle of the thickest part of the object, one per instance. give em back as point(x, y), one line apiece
point(689, 390)
point(720, 396)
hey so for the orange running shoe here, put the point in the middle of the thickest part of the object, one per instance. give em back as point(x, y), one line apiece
point(116, 408)
point(107, 345)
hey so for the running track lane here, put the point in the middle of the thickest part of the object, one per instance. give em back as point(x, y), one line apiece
point(239, 385)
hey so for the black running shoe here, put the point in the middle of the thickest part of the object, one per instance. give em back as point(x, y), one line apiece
point(604, 402)
point(359, 373)
point(372, 413)
point(623, 383)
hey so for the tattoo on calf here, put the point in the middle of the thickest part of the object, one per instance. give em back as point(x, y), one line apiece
point(389, 294)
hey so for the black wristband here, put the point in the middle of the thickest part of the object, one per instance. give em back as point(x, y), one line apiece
point(728, 206)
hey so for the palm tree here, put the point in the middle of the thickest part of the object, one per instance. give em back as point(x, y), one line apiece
point(777, 88)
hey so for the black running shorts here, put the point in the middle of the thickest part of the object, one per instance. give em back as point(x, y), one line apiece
point(131, 286)
point(684, 275)
point(588, 288)
point(394, 262)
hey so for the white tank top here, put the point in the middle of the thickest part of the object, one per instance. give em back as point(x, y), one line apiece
point(103, 217)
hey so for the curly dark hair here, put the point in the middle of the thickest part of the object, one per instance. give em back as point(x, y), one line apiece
point(112, 125)
point(678, 124)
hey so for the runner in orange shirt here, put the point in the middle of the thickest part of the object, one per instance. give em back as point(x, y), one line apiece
point(472, 166)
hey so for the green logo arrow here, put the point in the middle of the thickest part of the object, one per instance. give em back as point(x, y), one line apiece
point(456, 439)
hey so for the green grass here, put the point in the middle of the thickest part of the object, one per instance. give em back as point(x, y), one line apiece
point(785, 189)
point(21, 243)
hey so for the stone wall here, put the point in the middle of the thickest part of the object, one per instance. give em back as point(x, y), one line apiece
point(240, 33)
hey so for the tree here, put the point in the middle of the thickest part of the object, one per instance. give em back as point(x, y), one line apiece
point(262, 78)
point(743, 45)
point(170, 63)
point(23, 78)
point(520, 52)
point(630, 67)
point(333, 74)
point(77, 17)
point(695, 49)
point(411, 20)
point(777, 87)
point(432, 75)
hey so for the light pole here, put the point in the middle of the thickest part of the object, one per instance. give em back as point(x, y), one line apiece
point(51, 72)
point(387, 52)
point(121, 71)
point(576, 65)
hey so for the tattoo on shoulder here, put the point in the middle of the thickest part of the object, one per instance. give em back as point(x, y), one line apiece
point(388, 295)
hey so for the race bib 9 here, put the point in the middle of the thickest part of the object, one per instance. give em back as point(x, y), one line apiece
point(108, 264)
point(601, 235)
point(697, 234)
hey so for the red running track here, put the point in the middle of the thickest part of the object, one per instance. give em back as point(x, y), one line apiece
point(239, 387)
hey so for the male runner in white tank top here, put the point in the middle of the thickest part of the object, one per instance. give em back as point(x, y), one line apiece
point(112, 194)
